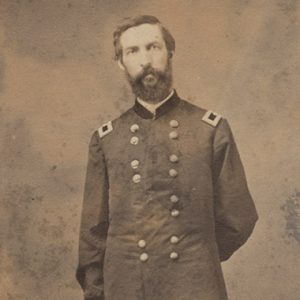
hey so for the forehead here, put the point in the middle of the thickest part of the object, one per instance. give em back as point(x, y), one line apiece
point(141, 35)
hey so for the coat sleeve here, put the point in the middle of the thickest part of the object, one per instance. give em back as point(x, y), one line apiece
point(94, 224)
point(235, 213)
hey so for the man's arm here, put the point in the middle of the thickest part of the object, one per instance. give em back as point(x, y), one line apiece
point(235, 213)
point(94, 224)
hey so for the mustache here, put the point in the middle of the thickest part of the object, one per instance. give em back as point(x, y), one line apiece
point(147, 71)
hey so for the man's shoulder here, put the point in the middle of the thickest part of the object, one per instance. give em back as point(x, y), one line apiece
point(109, 126)
point(207, 116)
point(188, 107)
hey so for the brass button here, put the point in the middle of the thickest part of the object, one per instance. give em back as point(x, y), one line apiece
point(134, 140)
point(174, 239)
point(174, 123)
point(142, 243)
point(174, 255)
point(174, 199)
point(134, 164)
point(175, 213)
point(173, 173)
point(173, 135)
point(136, 178)
point(173, 158)
point(134, 128)
point(144, 257)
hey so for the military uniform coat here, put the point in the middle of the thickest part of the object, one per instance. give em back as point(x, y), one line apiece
point(166, 200)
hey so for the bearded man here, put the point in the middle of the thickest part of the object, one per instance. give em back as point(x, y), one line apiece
point(166, 198)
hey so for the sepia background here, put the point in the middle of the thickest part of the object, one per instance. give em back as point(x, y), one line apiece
point(58, 82)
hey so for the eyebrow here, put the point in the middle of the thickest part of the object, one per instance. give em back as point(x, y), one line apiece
point(147, 46)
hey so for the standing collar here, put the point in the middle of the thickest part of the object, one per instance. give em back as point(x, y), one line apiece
point(152, 107)
point(166, 105)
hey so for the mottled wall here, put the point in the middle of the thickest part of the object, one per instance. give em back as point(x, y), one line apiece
point(58, 82)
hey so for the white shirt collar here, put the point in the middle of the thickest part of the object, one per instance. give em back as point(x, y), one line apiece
point(152, 107)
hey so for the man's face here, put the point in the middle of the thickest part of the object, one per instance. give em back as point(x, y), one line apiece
point(146, 61)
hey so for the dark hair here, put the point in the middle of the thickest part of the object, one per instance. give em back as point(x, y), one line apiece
point(136, 21)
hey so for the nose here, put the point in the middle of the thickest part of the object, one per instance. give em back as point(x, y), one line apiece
point(145, 58)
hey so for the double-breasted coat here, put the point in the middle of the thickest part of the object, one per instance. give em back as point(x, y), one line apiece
point(165, 201)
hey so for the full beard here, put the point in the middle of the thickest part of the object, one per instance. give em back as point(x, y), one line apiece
point(152, 85)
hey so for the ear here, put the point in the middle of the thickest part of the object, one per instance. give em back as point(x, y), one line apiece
point(171, 53)
point(121, 65)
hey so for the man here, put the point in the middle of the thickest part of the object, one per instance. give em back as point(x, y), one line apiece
point(166, 199)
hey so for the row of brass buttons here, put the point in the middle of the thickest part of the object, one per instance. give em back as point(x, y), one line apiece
point(172, 172)
point(144, 256)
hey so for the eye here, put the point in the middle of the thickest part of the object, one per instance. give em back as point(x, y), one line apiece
point(154, 46)
point(131, 51)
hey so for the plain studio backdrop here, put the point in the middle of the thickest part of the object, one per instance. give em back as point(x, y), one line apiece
point(58, 82)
